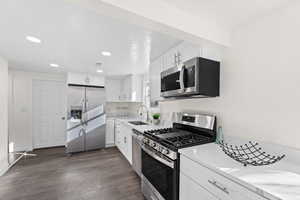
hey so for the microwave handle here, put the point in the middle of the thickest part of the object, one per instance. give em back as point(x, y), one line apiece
point(181, 77)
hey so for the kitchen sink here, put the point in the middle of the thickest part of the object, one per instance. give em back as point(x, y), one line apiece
point(137, 123)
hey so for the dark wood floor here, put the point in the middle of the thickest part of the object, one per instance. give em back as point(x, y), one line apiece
point(99, 175)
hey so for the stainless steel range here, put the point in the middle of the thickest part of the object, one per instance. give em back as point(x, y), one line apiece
point(160, 157)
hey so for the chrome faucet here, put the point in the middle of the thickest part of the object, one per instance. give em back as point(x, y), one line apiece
point(140, 111)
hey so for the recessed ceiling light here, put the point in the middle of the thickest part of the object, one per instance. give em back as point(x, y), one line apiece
point(54, 65)
point(33, 39)
point(99, 70)
point(106, 53)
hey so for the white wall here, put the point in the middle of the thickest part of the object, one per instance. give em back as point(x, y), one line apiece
point(3, 115)
point(20, 106)
point(260, 96)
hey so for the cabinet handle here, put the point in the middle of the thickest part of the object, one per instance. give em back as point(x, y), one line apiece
point(125, 140)
point(214, 183)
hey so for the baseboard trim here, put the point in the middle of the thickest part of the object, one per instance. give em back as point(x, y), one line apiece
point(5, 170)
point(109, 145)
point(59, 146)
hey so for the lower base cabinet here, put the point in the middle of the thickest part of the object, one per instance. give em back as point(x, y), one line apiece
point(110, 133)
point(209, 181)
point(190, 190)
point(124, 139)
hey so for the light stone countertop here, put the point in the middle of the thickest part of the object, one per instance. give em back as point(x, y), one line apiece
point(139, 128)
point(279, 181)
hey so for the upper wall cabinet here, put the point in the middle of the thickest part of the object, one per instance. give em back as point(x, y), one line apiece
point(85, 79)
point(113, 89)
point(183, 51)
point(154, 78)
point(127, 88)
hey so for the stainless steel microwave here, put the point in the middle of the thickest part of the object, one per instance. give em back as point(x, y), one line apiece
point(195, 77)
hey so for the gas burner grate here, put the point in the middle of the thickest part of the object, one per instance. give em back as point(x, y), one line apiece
point(159, 131)
point(249, 154)
point(179, 141)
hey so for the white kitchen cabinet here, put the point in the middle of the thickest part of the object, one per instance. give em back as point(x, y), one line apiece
point(118, 135)
point(190, 190)
point(124, 88)
point(132, 88)
point(218, 185)
point(137, 88)
point(110, 133)
point(113, 89)
point(128, 143)
point(124, 139)
point(154, 78)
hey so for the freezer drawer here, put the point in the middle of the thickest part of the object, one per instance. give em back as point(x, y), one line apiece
point(75, 140)
point(95, 139)
point(95, 133)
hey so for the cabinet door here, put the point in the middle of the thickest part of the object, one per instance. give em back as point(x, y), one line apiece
point(110, 132)
point(115, 86)
point(118, 135)
point(155, 70)
point(122, 139)
point(126, 88)
point(189, 190)
point(137, 88)
point(127, 143)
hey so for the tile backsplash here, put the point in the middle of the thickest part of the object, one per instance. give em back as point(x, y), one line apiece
point(122, 109)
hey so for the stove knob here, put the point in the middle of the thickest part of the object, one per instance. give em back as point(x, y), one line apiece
point(153, 144)
point(159, 149)
point(165, 151)
point(146, 140)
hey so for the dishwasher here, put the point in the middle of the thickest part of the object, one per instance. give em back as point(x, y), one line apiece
point(137, 152)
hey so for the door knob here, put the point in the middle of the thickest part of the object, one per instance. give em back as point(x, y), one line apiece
point(63, 118)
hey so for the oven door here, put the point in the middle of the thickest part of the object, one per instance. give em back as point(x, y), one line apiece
point(172, 82)
point(161, 175)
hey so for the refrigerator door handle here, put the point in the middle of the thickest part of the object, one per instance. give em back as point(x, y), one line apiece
point(80, 132)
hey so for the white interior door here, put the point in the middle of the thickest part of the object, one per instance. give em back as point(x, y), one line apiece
point(49, 112)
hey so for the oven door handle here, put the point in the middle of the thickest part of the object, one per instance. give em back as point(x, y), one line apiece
point(156, 157)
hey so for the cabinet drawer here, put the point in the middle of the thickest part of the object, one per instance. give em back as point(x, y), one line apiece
point(218, 185)
point(190, 190)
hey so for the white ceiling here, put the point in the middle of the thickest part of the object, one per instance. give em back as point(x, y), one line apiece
point(228, 13)
point(74, 38)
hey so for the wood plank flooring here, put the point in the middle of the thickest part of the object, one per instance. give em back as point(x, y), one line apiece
point(96, 175)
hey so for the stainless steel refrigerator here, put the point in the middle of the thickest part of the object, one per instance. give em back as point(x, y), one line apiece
point(86, 118)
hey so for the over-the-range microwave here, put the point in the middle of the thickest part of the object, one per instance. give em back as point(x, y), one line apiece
point(195, 77)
